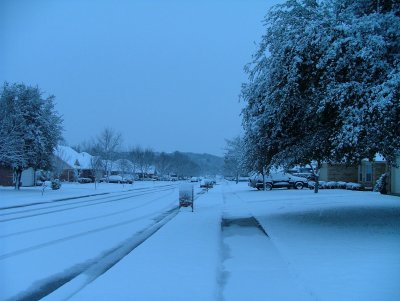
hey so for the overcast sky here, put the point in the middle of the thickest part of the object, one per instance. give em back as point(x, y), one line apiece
point(166, 74)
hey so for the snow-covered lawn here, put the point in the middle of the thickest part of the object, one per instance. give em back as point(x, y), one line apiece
point(238, 244)
point(336, 245)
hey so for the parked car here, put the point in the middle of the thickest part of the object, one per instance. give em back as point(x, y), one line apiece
point(206, 183)
point(85, 180)
point(308, 175)
point(173, 177)
point(278, 180)
point(116, 179)
point(129, 179)
point(194, 179)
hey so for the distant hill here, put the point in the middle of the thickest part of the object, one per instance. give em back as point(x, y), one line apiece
point(209, 164)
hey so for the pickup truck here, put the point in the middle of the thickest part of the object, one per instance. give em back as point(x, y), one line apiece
point(277, 180)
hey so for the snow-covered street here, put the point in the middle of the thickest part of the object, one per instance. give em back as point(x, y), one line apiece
point(238, 244)
point(46, 244)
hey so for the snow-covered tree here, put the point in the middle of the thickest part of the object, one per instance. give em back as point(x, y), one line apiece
point(183, 165)
point(29, 127)
point(234, 163)
point(163, 163)
point(107, 146)
point(142, 158)
point(96, 167)
point(324, 84)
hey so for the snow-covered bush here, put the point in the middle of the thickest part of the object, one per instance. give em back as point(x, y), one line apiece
point(380, 185)
point(341, 184)
point(354, 186)
point(331, 184)
point(55, 184)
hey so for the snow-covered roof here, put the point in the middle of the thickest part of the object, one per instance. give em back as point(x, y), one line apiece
point(72, 158)
point(379, 157)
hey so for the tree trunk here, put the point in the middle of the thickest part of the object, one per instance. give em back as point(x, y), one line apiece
point(388, 178)
point(17, 177)
point(316, 174)
point(263, 177)
point(316, 183)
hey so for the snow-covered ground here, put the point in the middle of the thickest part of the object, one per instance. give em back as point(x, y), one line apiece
point(238, 244)
point(27, 195)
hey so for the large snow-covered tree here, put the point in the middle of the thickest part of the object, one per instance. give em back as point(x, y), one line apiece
point(324, 83)
point(29, 127)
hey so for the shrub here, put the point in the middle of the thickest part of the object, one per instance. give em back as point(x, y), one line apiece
point(55, 184)
point(381, 184)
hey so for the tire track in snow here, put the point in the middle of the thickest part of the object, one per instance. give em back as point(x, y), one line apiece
point(81, 206)
point(125, 210)
point(76, 200)
point(71, 237)
point(113, 193)
point(65, 285)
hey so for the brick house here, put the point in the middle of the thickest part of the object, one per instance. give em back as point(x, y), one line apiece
point(338, 172)
point(370, 172)
point(69, 165)
point(366, 173)
point(395, 178)
point(7, 177)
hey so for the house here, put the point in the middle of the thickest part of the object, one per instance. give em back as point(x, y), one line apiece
point(69, 165)
point(395, 178)
point(7, 177)
point(366, 173)
point(148, 173)
point(369, 172)
point(338, 172)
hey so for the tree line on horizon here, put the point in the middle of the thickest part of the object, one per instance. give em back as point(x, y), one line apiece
point(107, 147)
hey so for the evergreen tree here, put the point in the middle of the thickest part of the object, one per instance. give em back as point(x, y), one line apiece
point(31, 127)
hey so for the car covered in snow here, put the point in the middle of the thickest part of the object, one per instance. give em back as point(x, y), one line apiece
point(116, 179)
point(277, 180)
point(85, 180)
point(206, 183)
